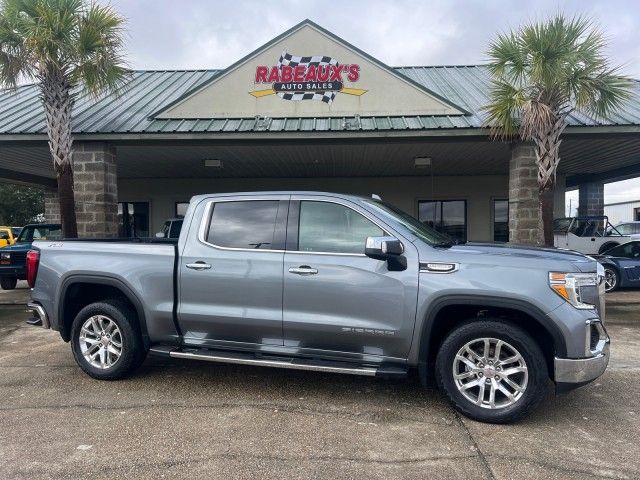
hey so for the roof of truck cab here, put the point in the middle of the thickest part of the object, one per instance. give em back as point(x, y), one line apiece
point(345, 196)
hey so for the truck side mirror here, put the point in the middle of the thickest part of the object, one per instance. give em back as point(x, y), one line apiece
point(388, 249)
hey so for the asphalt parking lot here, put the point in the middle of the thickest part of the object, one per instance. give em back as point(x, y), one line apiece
point(187, 419)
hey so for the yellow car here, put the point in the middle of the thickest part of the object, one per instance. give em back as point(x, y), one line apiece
point(8, 235)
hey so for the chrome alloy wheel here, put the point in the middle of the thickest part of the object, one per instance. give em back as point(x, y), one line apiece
point(490, 373)
point(610, 280)
point(100, 342)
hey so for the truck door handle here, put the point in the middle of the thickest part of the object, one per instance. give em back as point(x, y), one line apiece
point(303, 270)
point(198, 266)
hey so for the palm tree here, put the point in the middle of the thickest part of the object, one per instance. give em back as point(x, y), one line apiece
point(541, 74)
point(63, 45)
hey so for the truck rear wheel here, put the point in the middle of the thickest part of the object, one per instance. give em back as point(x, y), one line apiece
point(106, 341)
point(8, 283)
point(492, 371)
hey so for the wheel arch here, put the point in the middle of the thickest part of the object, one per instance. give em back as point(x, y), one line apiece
point(95, 288)
point(437, 324)
point(607, 245)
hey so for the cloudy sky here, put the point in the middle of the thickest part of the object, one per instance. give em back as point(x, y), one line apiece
point(214, 33)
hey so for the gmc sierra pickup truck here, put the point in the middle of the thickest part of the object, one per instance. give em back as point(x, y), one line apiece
point(331, 283)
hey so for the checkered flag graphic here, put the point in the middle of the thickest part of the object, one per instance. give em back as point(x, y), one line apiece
point(316, 60)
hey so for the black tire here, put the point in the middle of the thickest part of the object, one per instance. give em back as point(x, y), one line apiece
point(133, 351)
point(538, 377)
point(607, 246)
point(8, 283)
point(613, 283)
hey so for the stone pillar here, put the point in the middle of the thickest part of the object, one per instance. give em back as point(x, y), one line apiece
point(96, 189)
point(524, 203)
point(51, 206)
point(591, 199)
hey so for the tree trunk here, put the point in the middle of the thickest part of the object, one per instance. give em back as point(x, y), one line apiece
point(67, 202)
point(546, 214)
point(58, 104)
point(548, 157)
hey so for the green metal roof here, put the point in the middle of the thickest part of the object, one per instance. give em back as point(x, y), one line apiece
point(150, 91)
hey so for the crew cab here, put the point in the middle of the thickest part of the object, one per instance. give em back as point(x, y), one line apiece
point(332, 283)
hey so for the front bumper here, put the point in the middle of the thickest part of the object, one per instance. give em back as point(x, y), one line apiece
point(573, 372)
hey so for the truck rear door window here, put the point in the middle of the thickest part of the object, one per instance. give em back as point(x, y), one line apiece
point(243, 224)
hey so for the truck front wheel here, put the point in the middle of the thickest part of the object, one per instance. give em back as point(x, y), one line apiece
point(492, 371)
point(105, 340)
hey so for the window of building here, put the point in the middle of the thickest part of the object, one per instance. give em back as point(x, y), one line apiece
point(446, 216)
point(636, 214)
point(330, 227)
point(133, 219)
point(181, 208)
point(501, 220)
point(245, 224)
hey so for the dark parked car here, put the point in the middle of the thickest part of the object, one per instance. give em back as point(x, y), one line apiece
point(621, 266)
point(14, 257)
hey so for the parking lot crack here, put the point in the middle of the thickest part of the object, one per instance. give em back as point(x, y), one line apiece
point(476, 447)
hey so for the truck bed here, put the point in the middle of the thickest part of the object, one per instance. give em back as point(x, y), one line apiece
point(144, 267)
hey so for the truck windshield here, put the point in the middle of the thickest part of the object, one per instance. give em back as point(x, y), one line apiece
point(48, 232)
point(419, 229)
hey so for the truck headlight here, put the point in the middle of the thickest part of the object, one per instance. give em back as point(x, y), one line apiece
point(5, 256)
point(569, 285)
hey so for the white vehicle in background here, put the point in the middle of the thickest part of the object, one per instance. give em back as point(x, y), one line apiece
point(171, 228)
point(590, 235)
point(629, 228)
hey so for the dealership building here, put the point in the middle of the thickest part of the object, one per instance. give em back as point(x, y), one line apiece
point(309, 111)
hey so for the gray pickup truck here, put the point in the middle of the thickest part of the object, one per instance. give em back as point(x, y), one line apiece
point(331, 283)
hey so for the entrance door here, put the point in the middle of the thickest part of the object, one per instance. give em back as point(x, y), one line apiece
point(336, 298)
point(231, 276)
point(133, 219)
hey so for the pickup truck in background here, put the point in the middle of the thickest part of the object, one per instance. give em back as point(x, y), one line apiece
point(331, 283)
point(13, 258)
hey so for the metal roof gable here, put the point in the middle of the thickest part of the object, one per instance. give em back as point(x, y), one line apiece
point(309, 23)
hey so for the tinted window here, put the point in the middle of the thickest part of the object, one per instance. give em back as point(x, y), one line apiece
point(248, 224)
point(40, 233)
point(446, 216)
point(627, 250)
point(501, 220)
point(181, 208)
point(176, 226)
point(329, 227)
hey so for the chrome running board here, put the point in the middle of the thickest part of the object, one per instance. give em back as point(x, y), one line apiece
point(281, 362)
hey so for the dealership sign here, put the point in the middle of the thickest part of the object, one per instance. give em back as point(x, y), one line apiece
point(307, 78)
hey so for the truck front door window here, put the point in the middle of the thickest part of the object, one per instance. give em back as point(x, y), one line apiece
point(244, 224)
point(331, 227)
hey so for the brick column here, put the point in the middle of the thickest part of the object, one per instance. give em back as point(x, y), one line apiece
point(591, 199)
point(51, 206)
point(96, 189)
point(524, 203)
